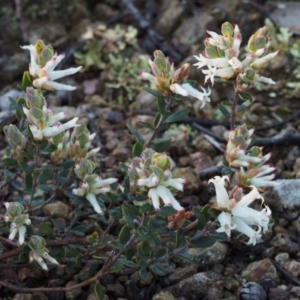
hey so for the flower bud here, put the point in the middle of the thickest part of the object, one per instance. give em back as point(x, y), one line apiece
point(16, 140)
point(84, 167)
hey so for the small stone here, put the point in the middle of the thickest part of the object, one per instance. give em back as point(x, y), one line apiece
point(200, 161)
point(278, 294)
point(182, 273)
point(215, 291)
point(293, 267)
point(260, 269)
point(295, 291)
point(284, 244)
point(282, 258)
point(252, 291)
point(194, 287)
point(23, 297)
point(163, 296)
point(73, 294)
point(204, 146)
point(116, 289)
point(56, 209)
point(288, 193)
point(208, 256)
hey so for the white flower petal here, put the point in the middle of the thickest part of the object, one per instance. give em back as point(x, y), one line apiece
point(221, 193)
point(92, 199)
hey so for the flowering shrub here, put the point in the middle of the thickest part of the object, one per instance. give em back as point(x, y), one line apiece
point(56, 157)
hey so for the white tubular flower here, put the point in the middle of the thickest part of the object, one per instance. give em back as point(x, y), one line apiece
point(221, 193)
point(149, 77)
point(260, 62)
point(92, 199)
point(46, 75)
point(202, 96)
point(253, 217)
point(22, 231)
point(244, 228)
point(48, 132)
point(152, 194)
point(50, 258)
point(250, 197)
point(34, 256)
point(168, 198)
point(178, 89)
point(264, 79)
point(224, 219)
point(13, 231)
point(237, 215)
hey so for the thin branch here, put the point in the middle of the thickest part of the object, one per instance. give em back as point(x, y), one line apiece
point(108, 263)
point(233, 110)
point(160, 122)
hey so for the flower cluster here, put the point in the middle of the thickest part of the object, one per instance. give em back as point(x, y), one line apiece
point(237, 156)
point(44, 124)
point(222, 52)
point(152, 173)
point(14, 215)
point(43, 61)
point(167, 79)
point(39, 252)
point(235, 211)
point(74, 146)
point(91, 184)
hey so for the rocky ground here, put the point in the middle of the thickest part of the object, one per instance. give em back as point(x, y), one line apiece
point(96, 34)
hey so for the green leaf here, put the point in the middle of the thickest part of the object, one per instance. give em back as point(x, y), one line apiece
point(10, 162)
point(224, 111)
point(157, 119)
point(161, 144)
point(180, 237)
point(79, 230)
point(161, 252)
point(177, 115)
point(37, 201)
point(45, 175)
point(154, 92)
point(146, 248)
point(135, 133)
point(143, 274)
point(146, 125)
point(25, 167)
point(226, 171)
point(26, 81)
point(28, 182)
point(158, 270)
point(203, 242)
point(116, 267)
point(58, 224)
point(185, 256)
point(46, 230)
point(46, 187)
point(161, 104)
point(137, 149)
point(220, 236)
point(49, 149)
point(99, 291)
point(124, 235)
point(70, 268)
point(18, 108)
point(130, 212)
point(167, 211)
point(201, 218)
point(143, 264)
point(68, 164)
point(147, 207)
point(245, 96)
point(127, 262)
point(244, 106)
